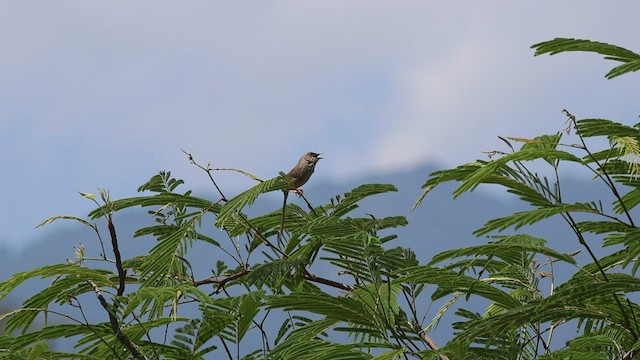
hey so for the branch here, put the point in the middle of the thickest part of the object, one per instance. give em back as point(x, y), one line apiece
point(630, 355)
point(432, 344)
point(335, 284)
point(604, 175)
point(308, 204)
point(260, 236)
point(221, 282)
point(115, 327)
point(208, 171)
point(114, 243)
point(306, 275)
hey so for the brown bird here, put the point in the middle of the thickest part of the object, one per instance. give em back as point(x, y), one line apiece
point(303, 170)
point(300, 174)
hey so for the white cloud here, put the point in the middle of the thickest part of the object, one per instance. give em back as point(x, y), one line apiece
point(425, 121)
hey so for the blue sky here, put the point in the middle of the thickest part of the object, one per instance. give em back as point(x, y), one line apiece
point(104, 94)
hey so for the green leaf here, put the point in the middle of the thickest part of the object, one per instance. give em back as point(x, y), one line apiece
point(158, 297)
point(232, 317)
point(102, 343)
point(630, 59)
point(452, 282)
point(161, 183)
point(391, 355)
point(529, 217)
point(50, 332)
point(321, 350)
point(248, 309)
point(66, 217)
point(543, 142)
point(508, 248)
point(628, 201)
point(163, 260)
point(341, 308)
point(248, 197)
point(73, 270)
point(604, 127)
point(351, 198)
point(305, 332)
point(632, 243)
point(601, 227)
point(162, 199)
point(275, 272)
point(163, 231)
point(189, 341)
point(491, 168)
point(71, 280)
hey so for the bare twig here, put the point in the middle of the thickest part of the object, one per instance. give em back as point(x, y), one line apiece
point(208, 171)
point(604, 175)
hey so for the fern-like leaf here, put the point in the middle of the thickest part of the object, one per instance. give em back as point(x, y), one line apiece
point(630, 59)
point(248, 197)
point(522, 218)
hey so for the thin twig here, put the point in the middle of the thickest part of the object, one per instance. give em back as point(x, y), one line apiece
point(284, 207)
point(221, 282)
point(208, 171)
point(320, 280)
point(574, 227)
point(308, 276)
point(308, 204)
point(86, 323)
point(607, 178)
point(265, 338)
point(226, 348)
point(551, 290)
point(260, 236)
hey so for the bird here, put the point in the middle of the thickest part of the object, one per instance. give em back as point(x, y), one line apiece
point(303, 170)
point(300, 175)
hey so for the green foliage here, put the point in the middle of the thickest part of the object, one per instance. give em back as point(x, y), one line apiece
point(330, 284)
point(630, 59)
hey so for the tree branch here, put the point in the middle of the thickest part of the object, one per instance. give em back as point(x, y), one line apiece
point(116, 251)
point(309, 277)
point(208, 171)
point(335, 284)
point(221, 282)
point(115, 327)
point(432, 344)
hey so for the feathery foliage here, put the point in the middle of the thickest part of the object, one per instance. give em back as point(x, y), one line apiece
point(332, 284)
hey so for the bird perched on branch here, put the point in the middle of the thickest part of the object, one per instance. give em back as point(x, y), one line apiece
point(303, 170)
point(300, 174)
